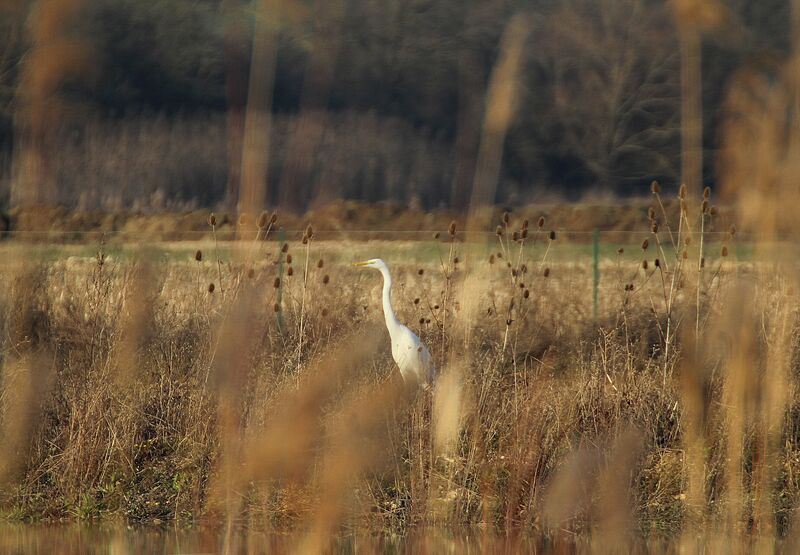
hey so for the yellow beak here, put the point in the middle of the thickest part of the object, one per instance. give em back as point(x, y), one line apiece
point(360, 263)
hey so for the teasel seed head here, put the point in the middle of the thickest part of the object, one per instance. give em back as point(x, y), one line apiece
point(509, 321)
point(499, 254)
point(508, 264)
point(273, 218)
point(713, 210)
point(682, 191)
point(513, 271)
point(644, 264)
point(724, 252)
point(436, 307)
point(211, 287)
point(437, 235)
point(687, 240)
point(305, 239)
point(416, 300)
point(452, 228)
point(703, 262)
point(212, 220)
point(541, 222)
point(521, 285)
point(198, 255)
point(685, 254)
point(654, 226)
point(455, 260)
point(506, 217)
point(309, 231)
point(285, 248)
point(263, 220)
point(276, 307)
point(524, 233)
point(524, 269)
point(552, 235)
point(420, 272)
point(499, 231)
point(251, 273)
point(290, 271)
point(324, 312)
point(524, 224)
point(645, 244)
point(657, 263)
point(707, 193)
point(320, 263)
point(491, 259)
point(421, 321)
point(276, 283)
point(326, 279)
point(732, 230)
point(655, 188)
point(526, 294)
point(243, 219)
point(427, 320)
point(620, 250)
point(651, 213)
point(704, 206)
point(515, 236)
point(546, 272)
point(288, 258)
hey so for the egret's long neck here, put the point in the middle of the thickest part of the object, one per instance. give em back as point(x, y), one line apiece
point(388, 311)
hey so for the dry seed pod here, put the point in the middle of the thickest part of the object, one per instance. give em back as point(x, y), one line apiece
point(683, 205)
point(491, 259)
point(285, 248)
point(644, 264)
point(654, 226)
point(499, 255)
point(455, 260)
point(704, 206)
point(324, 312)
point(526, 294)
point(524, 224)
point(651, 213)
point(515, 236)
point(276, 283)
point(702, 262)
point(288, 258)
point(427, 320)
point(243, 219)
point(682, 191)
point(421, 321)
point(452, 228)
point(620, 250)
point(546, 272)
point(522, 285)
point(290, 271)
point(416, 300)
point(309, 231)
point(732, 230)
point(420, 272)
point(712, 210)
point(320, 263)
point(198, 255)
point(541, 222)
point(687, 241)
point(436, 307)
point(436, 235)
point(499, 231)
point(724, 250)
point(325, 279)
point(685, 254)
point(251, 273)
point(305, 239)
point(655, 188)
point(506, 217)
point(645, 244)
point(263, 219)
point(276, 307)
point(211, 287)
point(552, 235)
point(524, 269)
point(524, 233)
point(707, 192)
point(212, 219)
point(657, 263)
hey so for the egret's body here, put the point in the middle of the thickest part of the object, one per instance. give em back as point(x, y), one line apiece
point(408, 351)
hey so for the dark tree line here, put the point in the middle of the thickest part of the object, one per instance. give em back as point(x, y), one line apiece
point(600, 103)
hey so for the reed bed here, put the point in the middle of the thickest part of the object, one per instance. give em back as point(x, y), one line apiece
point(256, 390)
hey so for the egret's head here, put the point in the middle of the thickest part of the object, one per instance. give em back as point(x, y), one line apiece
point(371, 263)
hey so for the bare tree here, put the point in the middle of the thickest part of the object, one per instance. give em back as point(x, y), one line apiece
point(611, 69)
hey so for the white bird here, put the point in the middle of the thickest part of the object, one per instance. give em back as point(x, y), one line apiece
point(408, 351)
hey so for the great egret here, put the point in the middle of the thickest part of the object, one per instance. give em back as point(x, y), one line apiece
point(410, 354)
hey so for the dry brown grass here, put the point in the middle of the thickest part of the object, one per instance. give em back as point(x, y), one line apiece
point(129, 390)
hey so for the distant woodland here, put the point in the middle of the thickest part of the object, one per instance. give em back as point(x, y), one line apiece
point(131, 104)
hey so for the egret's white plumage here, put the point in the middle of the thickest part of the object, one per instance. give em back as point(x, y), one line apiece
point(408, 351)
